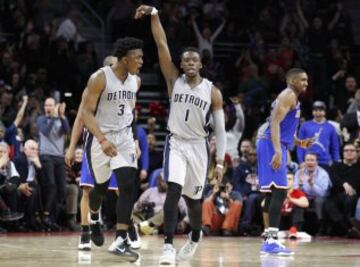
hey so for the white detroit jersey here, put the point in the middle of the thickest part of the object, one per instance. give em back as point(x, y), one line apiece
point(190, 109)
point(115, 108)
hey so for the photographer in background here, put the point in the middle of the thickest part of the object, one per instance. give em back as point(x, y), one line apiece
point(148, 210)
point(222, 210)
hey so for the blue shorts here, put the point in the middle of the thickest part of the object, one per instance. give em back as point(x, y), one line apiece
point(87, 180)
point(268, 177)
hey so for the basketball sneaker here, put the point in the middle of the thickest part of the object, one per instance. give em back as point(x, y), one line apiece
point(97, 236)
point(133, 237)
point(274, 247)
point(189, 249)
point(85, 242)
point(168, 256)
point(121, 248)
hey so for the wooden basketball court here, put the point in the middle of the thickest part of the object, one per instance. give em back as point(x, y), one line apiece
point(60, 250)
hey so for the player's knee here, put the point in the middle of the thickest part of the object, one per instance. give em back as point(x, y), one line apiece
point(125, 178)
point(172, 197)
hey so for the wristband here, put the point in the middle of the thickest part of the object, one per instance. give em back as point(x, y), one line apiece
point(102, 140)
point(154, 12)
point(220, 166)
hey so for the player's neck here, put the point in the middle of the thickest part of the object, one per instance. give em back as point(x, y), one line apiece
point(193, 81)
point(120, 72)
point(293, 89)
point(319, 120)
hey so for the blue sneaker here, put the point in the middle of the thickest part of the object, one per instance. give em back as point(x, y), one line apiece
point(272, 246)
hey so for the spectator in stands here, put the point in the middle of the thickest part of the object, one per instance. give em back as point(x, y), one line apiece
point(68, 28)
point(72, 190)
point(53, 126)
point(327, 143)
point(344, 92)
point(221, 210)
point(29, 167)
point(9, 134)
point(318, 37)
point(351, 121)
point(235, 126)
point(314, 181)
point(340, 206)
point(245, 147)
point(9, 181)
point(148, 210)
point(206, 38)
point(246, 182)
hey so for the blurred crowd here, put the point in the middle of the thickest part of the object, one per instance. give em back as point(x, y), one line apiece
point(46, 61)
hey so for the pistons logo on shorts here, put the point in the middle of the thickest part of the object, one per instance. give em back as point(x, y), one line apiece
point(197, 189)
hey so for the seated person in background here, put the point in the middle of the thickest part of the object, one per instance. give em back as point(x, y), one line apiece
point(340, 206)
point(246, 182)
point(148, 210)
point(9, 181)
point(222, 210)
point(292, 211)
point(29, 167)
point(314, 181)
point(72, 190)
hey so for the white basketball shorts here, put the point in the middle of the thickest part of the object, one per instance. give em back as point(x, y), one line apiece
point(186, 163)
point(101, 165)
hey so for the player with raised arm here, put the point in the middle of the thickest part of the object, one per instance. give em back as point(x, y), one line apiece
point(186, 155)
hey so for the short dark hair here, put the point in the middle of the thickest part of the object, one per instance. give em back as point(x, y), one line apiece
point(190, 49)
point(293, 72)
point(311, 154)
point(123, 45)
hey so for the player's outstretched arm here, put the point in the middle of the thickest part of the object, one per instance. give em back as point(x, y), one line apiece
point(168, 68)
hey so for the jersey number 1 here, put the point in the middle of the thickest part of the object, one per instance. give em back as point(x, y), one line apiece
point(187, 115)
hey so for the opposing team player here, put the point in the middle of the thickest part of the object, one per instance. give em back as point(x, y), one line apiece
point(272, 152)
point(186, 156)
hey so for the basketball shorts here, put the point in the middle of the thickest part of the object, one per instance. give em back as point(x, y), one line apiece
point(269, 177)
point(101, 165)
point(87, 180)
point(186, 163)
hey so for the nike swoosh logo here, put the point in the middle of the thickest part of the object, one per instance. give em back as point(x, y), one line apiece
point(121, 250)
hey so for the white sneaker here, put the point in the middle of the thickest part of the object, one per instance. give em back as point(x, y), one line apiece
point(168, 256)
point(116, 243)
point(85, 242)
point(134, 237)
point(189, 249)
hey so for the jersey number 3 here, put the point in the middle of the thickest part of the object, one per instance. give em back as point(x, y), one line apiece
point(121, 109)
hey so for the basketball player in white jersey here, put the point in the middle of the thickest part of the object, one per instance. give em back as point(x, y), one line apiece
point(186, 155)
point(87, 182)
point(108, 112)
